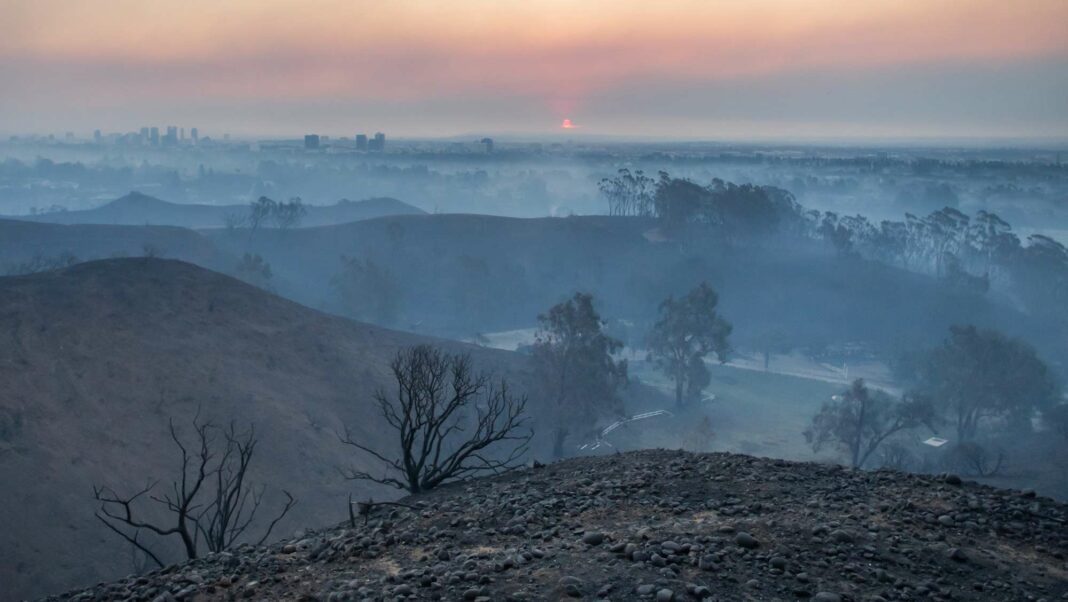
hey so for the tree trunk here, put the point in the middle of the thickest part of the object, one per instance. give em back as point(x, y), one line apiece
point(559, 436)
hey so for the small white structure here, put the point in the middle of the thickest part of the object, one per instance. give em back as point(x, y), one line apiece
point(936, 442)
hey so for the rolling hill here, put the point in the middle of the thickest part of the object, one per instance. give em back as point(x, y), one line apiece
point(136, 209)
point(24, 242)
point(94, 360)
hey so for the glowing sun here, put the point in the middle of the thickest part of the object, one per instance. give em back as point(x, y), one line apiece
point(567, 125)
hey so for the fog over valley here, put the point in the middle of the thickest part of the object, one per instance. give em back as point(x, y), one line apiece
point(596, 315)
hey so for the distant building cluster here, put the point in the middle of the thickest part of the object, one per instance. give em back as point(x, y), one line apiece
point(172, 136)
point(363, 143)
point(179, 138)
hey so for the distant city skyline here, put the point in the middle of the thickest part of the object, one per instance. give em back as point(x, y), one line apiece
point(678, 69)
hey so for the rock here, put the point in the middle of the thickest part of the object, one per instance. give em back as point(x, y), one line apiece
point(826, 597)
point(956, 554)
point(778, 562)
point(645, 589)
point(746, 540)
point(572, 586)
point(840, 536)
point(665, 595)
point(593, 539)
point(700, 592)
point(707, 563)
point(952, 479)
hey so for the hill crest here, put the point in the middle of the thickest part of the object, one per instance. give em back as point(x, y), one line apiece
point(659, 525)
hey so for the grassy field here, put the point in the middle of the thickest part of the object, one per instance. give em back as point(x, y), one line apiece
point(752, 412)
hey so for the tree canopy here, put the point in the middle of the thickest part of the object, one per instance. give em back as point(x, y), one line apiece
point(859, 420)
point(689, 328)
point(574, 361)
point(980, 375)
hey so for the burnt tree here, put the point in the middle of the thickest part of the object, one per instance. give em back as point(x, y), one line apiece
point(451, 422)
point(211, 503)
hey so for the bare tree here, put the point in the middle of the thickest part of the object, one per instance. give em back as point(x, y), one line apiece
point(259, 211)
point(210, 500)
point(439, 441)
point(860, 419)
point(289, 215)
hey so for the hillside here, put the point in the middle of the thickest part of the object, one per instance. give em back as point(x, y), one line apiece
point(136, 209)
point(460, 275)
point(24, 242)
point(94, 360)
point(664, 526)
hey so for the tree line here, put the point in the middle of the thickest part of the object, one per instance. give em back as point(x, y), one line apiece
point(976, 252)
point(973, 384)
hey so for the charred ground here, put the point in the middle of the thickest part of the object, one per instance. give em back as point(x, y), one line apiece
point(658, 525)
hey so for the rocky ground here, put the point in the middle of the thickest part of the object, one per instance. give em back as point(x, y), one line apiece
point(658, 525)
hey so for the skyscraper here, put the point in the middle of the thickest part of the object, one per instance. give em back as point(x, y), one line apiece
point(194, 135)
point(153, 136)
point(379, 142)
point(361, 142)
point(311, 141)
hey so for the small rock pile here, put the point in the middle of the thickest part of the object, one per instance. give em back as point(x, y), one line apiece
point(658, 525)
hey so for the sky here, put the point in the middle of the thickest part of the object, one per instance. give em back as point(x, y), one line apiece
point(685, 69)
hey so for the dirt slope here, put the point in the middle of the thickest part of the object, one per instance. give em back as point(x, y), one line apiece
point(663, 526)
point(95, 358)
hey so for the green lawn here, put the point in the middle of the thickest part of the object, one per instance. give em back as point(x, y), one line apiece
point(753, 412)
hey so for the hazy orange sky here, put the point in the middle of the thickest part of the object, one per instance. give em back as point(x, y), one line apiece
point(671, 68)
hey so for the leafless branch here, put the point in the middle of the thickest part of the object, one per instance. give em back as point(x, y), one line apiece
point(210, 500)
point(447, 418)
